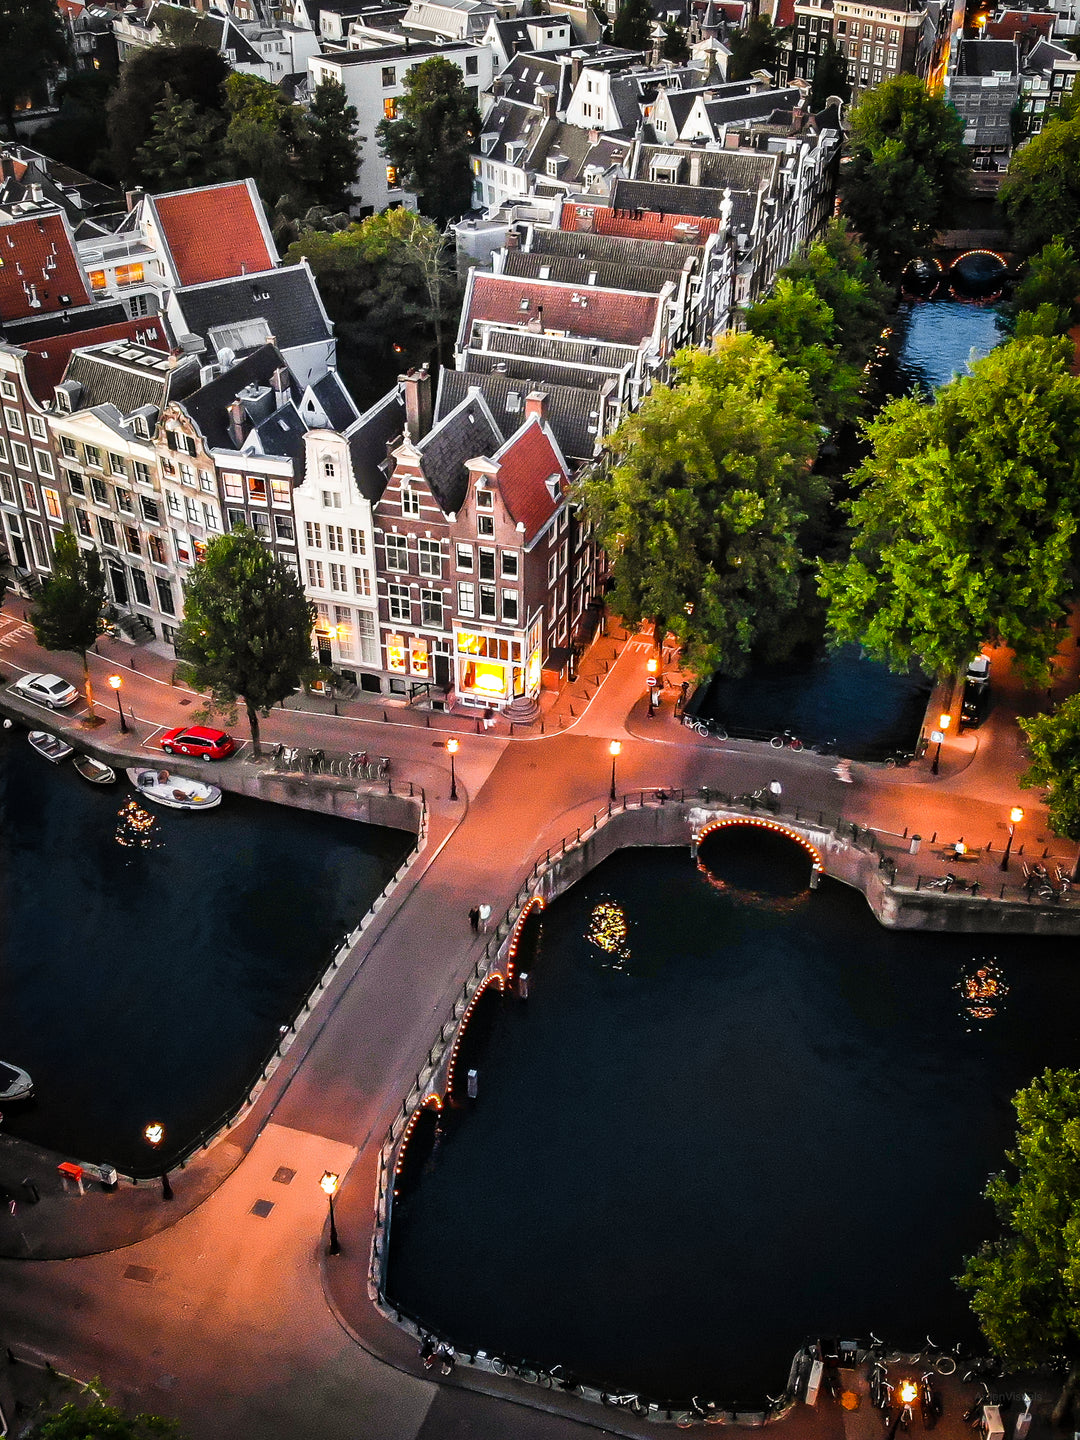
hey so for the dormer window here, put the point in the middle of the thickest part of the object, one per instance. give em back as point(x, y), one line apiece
point(410, 501)
point(138, 424)
point(329, 470)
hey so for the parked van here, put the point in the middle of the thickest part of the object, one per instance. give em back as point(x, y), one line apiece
point(975, 704)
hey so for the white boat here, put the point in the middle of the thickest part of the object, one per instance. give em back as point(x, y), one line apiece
point(176, 792)
point(93, 770)
point(15, 1084)
point(51, 746)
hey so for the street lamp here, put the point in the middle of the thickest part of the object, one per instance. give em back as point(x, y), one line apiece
point(614, 748)
point(944, 721)
point(329, 1183)
point(452, 747)
point(153, 1134)
point(116, 681)
point(1015, 816)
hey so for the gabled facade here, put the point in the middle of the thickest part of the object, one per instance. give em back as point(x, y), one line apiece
point(31, 506)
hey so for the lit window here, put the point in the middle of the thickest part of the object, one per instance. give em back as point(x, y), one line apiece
point(392, 176)
point(97, 279)
point(389, 106)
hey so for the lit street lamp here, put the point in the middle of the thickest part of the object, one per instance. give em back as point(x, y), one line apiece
point(1015, 816)
point(153, 1134)
point(615, 749)
point(944, 721)
point(116, 681)
point(452, 748)
point(329, 1183)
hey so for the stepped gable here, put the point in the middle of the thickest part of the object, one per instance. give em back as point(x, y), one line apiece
point(214, 232)
point(39, 270)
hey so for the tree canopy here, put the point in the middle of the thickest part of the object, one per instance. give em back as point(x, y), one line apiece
point(1041, 193)
point(431, 139)
point(675, 46)
point(830, 76)
point(841, 273)
point(701, 505)
point(633, 25)
point(965, 521)
point(67, 612)
point(33, 46)
point(908, 167)
point(334, 152)
point(755, 48)
point(1053, 743)
point(1024, 1287)
point(1051, 280)
point(180, 150)
point(246, 631)
point(193, 72)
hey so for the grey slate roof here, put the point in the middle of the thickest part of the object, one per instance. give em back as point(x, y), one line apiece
point(987, 57)
point(85, 317)
point(1045, 57)
point(335, 401)
point(682, 200)
point(739, 169)
point(537, 372)
point(282, 433)
point(466, 432)
point(735, 108)
point(610, 249)
point(368, 440)
point(128, 376)
point(574, 414)
point(511, 340)
point(646, 280)
point(285, 298)
point(208, 406)
point(526, 71)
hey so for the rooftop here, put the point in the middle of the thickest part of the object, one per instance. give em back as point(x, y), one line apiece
point(39, 272)
point(617, 315)
point(214, 232)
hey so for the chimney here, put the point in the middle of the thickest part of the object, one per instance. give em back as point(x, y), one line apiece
point(513, 240)
point(575, 70)
point(279, 382)
point(545, 99)
point(695, 167)
point(594, 137)
point(536, 405)
point(418, 406)
point(236, 423)
point(132, 197)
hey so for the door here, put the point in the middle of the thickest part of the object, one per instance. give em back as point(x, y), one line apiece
point(442, 670)
point(119, 583)
point(325, 657)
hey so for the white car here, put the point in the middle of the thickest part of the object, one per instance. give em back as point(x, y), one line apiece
point(48, 690)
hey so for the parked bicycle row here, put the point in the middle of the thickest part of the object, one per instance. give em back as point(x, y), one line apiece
point(357, 766)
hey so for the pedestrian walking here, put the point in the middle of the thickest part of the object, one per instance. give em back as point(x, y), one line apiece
point(474, 918)
point(485, 916)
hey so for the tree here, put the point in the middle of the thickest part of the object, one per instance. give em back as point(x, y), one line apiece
point(1053, 743)
point(675, 46)
point(94, 1419)
point(830, 76)
point(334, 153)
point(633, 25)
point(755, 48)
point(269, 139)
point(908, 167)
point(838, 268)
point(1024, 1286)
point(75, 136)
point(194, 72)
point(179, 152)
point(67, 613)
point(1052, 279)
point(430, 141)
point(246, 631)
point(966, 517)
point(802, 328)
point(1041, 193)
point(702, 502)
point(33, 46)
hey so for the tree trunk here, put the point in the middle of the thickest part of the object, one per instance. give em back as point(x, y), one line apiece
point(253, 722)
point(659, 633)
point(1063, 1408)
point(87, 686)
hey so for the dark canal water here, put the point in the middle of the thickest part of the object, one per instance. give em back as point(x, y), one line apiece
point(768, 1119)
point(840, 699)
point(142, 984)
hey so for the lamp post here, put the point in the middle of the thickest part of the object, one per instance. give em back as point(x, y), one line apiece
point(116, 681)
point(1015, 816)
point(944, 721)
point(153, 1134)
point(614, 749)
point(651, 684)
point(329, 1183)
point(452, 749)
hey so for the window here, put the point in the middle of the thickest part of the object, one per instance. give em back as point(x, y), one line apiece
point(331, 499)
point(465, 558)
point(29, 495)
point(232, 487)
point(20, 454)
point(206, 481)
point(68, 447)
point(44, 463)
point(553, 568)
point(315, 574)
point(485, 524)
point(107, 531)
point(192, 508)
point(410, 501)
point(37, 427)
point(279, 491)
point(210, 517)
point(466, 597)
point(338, 580)
point(124, 501)
point(398, 597)
point(142, 472)
point(142, 590)
point(431, 608)
point(256, 488)
point(131, 535)
point(357, 542)
point(509, 607)
point(343, 622)
point(150, 509)
point(82, 524)
point(510, 564)
point(361, 580)
point(260, 523)
point(93, 456)
point(116, 465)
point(487, 602)
point(389, 76)
point(397, 552)
point(283, 527)
point(389, 108)
point(430, 557)
point(37, 540)
point(335, 538)
point(74, 482)
point(14, 420)
point(472, 64)
point(52, 503)
point(487, 563)
point(7, 489)
point(165, 595)
point(99, 490)
point(7, 389)
point(236, 518)
point(156, 546)
point(485, 500)
point(392, 176)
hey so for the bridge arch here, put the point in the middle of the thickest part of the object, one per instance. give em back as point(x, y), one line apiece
point(527, 923)
point(777, 827)
point(493, 981)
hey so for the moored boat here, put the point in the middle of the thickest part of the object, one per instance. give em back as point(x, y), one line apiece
point(93, 770)
point(51, 746)
point(176, 792)
point(15, 1083)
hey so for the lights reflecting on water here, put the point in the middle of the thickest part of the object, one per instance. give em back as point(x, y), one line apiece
point(607, 930)
point(136, 828)
point(982, 992)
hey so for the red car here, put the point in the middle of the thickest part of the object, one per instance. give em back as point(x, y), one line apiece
point(198, 740)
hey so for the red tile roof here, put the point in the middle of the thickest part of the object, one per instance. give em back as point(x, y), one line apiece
point(1020, 22)
point(525, 465)
point(637, 225)
point(618, 316)
point(46, 360)
point(213, 233)
point(783, 14)
point(39, 271)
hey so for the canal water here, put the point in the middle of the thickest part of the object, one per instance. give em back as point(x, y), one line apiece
point(840, 699)
point(733, 1114)
point(148, 957)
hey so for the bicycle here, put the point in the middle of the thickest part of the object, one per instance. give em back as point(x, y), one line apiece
point(628, 1401)
point(499, 1365)
point(707, 1414)
point(944, 883)
point(712, 729)
point(787, 737)
point(944, 1361)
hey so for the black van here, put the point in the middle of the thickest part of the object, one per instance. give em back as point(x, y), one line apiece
point(975, 704)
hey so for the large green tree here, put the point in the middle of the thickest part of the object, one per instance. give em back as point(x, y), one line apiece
point(1025, 1286)
point(1041, 193)
point(907, 169)
point(701, 505)
point(633, 25)
point(1051, 279)
point(966, 517)
point(801, 326)
point(246, 631)
point(76, 137)
point(193, 72)
point(33, 47)
point(755, 48)
point(841, 273)
point(830, 76)
point(67, 612)
point(1053, 743)
point(430, 141)
point(180, 151)
point(334, 154)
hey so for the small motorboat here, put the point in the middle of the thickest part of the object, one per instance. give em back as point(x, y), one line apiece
point(51, 746)
point(176, 792)
point(94, 771)
point(15, 1084)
